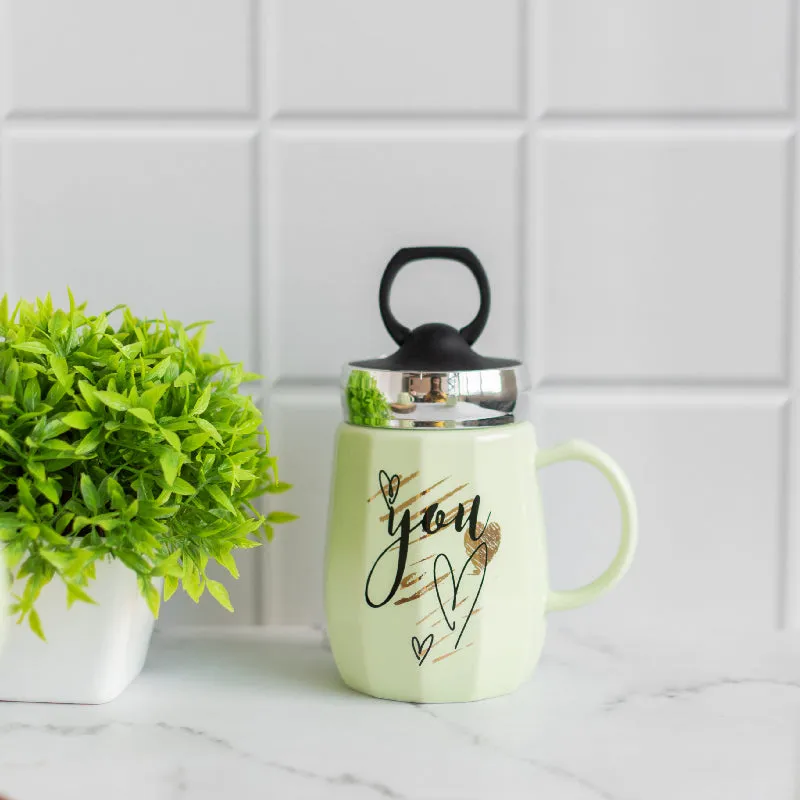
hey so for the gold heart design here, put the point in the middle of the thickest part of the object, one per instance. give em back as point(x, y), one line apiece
point(421, 649)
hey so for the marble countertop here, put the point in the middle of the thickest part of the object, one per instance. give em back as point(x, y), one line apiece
point(254, 713)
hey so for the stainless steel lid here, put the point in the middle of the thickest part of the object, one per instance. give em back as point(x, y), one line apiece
point(435, 379)
point(445, 400)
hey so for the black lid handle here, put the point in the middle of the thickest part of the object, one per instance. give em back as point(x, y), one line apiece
point(463, 255)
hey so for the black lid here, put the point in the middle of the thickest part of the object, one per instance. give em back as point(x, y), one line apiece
point(434, 346)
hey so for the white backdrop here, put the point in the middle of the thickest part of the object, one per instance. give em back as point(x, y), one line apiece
point(624, 169)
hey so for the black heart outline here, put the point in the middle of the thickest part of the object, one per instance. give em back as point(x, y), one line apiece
point(471, 560)
point(389, 486)
point(417, 646)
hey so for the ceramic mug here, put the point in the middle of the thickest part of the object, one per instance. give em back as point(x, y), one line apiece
point(436, 569)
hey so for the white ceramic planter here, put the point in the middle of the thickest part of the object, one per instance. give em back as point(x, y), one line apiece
point(92, 652)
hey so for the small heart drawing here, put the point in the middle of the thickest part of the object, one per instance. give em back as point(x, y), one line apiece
point(421, 649)
point(389, 486)
point(478, 558)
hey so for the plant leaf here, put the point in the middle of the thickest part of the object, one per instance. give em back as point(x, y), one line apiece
point(201, 404)
point(33, 347)
point(150, 398)
point(170, 461)
point(90, 442)
point(280, 517)
point(209, 429)
point(227, 561)
point(113, 400)
point(221, 498)
point(219, 593)
point(79, 419)
point(151, 595)
point(191, 443)
point(171, 438)
point(169, 566)
point(170, 585)
point(143, 414)
point(32, 395)
point(61, 370)
point(278, 487)
point(180, 486)
point(74, 592)
point(50, 489)
point(89, 394)
point(158, 370)
point(185, 379)
point(91, 496)
point(36, 624)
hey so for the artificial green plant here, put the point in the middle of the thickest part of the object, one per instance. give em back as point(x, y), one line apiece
point(126, 441)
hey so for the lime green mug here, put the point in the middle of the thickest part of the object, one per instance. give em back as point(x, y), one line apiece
point(436, 570)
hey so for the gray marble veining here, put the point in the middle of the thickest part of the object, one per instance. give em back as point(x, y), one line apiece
point(261, 714)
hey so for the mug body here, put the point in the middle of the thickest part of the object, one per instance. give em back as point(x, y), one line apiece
point(436, 571)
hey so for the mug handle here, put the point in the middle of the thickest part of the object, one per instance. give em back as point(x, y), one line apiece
point(583, 451)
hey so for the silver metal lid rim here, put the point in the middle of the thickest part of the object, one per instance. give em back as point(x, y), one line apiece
point(430, 400)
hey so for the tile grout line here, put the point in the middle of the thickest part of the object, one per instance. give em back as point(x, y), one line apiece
point(256, 242)
point(788, 551)
point(524, 210)
point(624, 124)
point(6, 280)
point(536, 49)
point(269, 609)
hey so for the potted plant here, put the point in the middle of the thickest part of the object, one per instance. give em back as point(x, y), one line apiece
point(129, 459)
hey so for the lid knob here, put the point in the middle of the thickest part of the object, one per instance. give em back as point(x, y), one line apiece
point(434, 346)
point(434, 379)
point(469, 333)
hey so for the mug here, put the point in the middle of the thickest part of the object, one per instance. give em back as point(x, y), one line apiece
point(436, 567)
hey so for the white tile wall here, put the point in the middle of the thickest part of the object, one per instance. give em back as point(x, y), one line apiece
point(677, 57)
point(625, 169)
point(302, 425)
point(680, 267)
point(164, 219)
point(415, 57)
point(707, 474)
point(381, 192)
point(107, 56)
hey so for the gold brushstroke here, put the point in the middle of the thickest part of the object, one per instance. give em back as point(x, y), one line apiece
point(433, 612)
point(414, 563)
point(439, 621)
point(403, 482)
point(474, 612)
point(453, 652)
point(439, 641)
point(420, 592)
point(410, 580)
point(427, 615)
point(441, 499)
point(412, 500)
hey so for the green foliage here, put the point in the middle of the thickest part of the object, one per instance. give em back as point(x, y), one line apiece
point(124, 442)
point(365, 401)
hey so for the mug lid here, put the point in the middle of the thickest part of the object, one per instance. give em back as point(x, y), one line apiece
point(434, 379)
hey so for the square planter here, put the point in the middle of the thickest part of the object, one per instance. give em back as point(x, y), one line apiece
point(92, 652)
